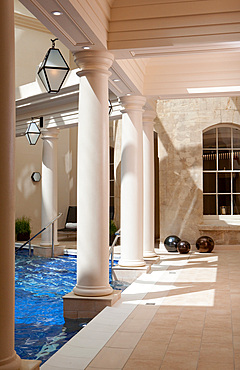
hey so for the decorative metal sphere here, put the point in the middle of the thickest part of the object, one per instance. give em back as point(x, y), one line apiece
point(170, 243)
point(183, 247)
point(205, 244)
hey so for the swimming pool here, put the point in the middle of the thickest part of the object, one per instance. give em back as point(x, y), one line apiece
point(40, 329)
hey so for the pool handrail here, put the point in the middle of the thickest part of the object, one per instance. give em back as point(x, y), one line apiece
point(43, 229)
point(111, 249)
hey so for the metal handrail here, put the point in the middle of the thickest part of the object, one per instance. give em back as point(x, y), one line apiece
point(111, 249)
point(43, 229)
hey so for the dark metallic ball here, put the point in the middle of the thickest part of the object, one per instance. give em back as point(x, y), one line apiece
point(170, 243)
point(205, 244)
point(183, 247)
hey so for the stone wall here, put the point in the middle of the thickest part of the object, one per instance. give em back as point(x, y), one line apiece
point(180, 124)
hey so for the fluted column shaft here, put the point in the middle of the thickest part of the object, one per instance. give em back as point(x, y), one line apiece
point(132, 182)
point(49, 184)
point(148, 184)
point(8, 358)
point(93, 174)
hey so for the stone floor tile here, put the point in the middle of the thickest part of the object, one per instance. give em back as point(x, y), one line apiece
point(149, 349)
point(111, 358)
point(187, 343)
point(236, 342)
point(143, 312)
point(67, 362)
point(204, 365)
point(164, 321)
point(169, 311)
point(102, 368)
point(212, 312)
point(86, 342)
point(158, 334)
point(216, 331)
point(237, 359)
point(133, 364)
point(76, 351)
point(134, 326)
point(124, 340)
point(220, 352)
point(197, 313)
point(236, 328)
point(189, 327)
point(215, 322)
point(235, 299)
point(174, 360)
point(217, 337)
point(235, 313)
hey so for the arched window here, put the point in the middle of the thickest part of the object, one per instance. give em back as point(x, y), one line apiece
point(221, 171)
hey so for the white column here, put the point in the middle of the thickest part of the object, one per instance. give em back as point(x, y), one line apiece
point(148, 184)
point(93, 174)
point(132, 182)
point(8, 358)
point(49, 184)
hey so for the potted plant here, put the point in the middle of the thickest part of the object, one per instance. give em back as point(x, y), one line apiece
point(22, 228)
point(112, 231)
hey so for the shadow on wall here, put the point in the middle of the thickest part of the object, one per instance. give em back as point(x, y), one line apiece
point(181, 207)
point(180, 135)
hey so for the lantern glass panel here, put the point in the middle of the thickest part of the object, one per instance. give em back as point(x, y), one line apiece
point(55, 78)
point(42, 76)
point(32, 138)
point(55, 59)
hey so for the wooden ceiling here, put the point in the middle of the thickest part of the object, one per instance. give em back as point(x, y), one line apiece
point(162, 48)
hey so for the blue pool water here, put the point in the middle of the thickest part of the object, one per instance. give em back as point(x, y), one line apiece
point(40, 329)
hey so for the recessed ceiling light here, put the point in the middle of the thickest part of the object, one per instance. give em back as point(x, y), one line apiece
point(86, 47)
point(116, 80)
point(56, 12)
point(204, 90)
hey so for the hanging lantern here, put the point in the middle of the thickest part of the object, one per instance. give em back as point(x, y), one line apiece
point(53, 69)
point(32, 133)
point(110, 107)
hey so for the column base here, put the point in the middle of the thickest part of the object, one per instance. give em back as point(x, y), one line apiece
point(30, 364)
point(92, 291)
point(161, 248)
point(11, 363)
point(75, 307)
point(131, 263)
point(46, 251)
point(149, 254)
point(152, 260)
point(129, 274)
point(48, 244)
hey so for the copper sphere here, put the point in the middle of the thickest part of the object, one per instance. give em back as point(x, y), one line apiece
point(205, 244)
point(183, 247)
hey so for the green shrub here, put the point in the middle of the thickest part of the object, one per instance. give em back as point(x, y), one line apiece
point(112, 227)
point(22, 225)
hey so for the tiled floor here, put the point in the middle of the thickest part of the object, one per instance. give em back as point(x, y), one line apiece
point(184, 315)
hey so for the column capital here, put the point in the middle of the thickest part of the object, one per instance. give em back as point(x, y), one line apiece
point(49, 134)
point(149, 116)
point(132, 103)
point(93, 61)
